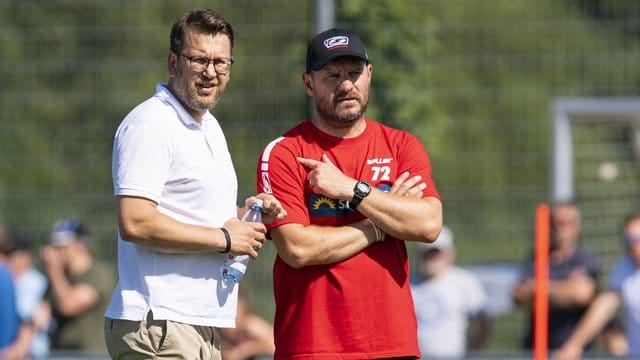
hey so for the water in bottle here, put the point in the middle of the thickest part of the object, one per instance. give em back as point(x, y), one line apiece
point(236, 265)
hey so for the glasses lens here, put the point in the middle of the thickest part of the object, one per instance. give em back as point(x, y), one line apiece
point(221, 66)
point(198, 64)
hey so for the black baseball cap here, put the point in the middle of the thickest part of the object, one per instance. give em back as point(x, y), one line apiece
point(331, 44)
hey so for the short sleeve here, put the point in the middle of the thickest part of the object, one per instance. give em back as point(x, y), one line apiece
point(415, 160)
point(279, 175)
point(141, 160)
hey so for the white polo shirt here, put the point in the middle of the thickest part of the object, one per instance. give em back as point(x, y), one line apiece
point(162, 153)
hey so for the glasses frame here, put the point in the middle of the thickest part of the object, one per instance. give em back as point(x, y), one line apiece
point(195, 66)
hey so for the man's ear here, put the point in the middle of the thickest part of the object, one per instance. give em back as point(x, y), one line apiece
point(307, 81)
point(172, 63)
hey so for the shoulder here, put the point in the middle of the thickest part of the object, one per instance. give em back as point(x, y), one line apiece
point(389, 131)
point(463, 275)
point(585, 254)
point(290, 142)
point(102, 275)
point(150, 110)
point(624, 265)
point(584, 250)
point(623, 269)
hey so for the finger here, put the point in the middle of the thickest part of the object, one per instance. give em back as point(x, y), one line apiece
point(325, 159)
point(399, 181)
point(282, 214)
point(309, 163)
point(406, 186)
point(249, 201)
point(411, 182)
point(414, 193)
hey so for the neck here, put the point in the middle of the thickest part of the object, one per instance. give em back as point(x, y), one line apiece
point(196, 114)
point(562, 253)
point(343, 131)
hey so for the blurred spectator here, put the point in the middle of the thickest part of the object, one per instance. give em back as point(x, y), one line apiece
point(34, 312)
point(9, 321)
point(252, 338)
point(572, 277)
point(80, 288)
point(623, 288)
point(446, 300)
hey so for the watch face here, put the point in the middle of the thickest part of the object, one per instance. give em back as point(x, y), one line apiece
point(363, 187)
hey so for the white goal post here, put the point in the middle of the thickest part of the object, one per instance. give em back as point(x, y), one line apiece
point(565, 111)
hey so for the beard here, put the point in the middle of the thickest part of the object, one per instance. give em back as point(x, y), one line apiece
point(187, 92)
point(338, 117)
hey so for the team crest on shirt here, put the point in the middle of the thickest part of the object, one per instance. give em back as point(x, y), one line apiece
point(320, 205)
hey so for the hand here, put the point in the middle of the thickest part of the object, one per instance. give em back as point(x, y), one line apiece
point(246, 237)
point(52, 258)
point(326, 179)
point(408, 187)
point(522, 293)
point(567, 351)
point(271, 208)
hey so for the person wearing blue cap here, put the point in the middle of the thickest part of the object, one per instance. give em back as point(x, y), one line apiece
point(355, 190)
point(80, 286)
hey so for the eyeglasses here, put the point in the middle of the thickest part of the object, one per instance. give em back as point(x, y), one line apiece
point(200, 64)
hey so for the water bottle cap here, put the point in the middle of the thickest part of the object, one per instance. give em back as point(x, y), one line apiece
point(258, 203)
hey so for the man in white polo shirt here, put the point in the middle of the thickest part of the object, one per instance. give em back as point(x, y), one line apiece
point(176, 192)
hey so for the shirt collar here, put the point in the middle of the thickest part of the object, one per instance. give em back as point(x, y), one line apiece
point(164, 94)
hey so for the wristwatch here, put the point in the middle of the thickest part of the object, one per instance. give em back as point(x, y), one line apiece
point(360, 191)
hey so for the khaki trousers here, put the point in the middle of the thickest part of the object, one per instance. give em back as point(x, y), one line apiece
point(160, 339)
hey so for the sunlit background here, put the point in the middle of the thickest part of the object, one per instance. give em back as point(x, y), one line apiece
point(475, 80)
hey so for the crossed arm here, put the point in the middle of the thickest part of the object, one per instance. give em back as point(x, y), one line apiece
point(577, 290)
point(401, 212)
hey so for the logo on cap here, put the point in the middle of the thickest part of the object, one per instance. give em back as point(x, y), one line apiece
point(336, 42)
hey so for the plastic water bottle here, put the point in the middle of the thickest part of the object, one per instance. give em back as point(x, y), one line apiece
point(236, 265)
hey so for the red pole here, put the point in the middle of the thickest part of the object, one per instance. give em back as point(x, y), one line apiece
point(541, 301)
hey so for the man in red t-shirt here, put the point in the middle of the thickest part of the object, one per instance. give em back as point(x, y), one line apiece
point(354, 191)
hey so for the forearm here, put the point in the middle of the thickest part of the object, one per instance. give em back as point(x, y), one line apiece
point(141, 223)
point(300, 245)
point(404, 217)
point(599, 313)
point(571, 293)
point(60, 287)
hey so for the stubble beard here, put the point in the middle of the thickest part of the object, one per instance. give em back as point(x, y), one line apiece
point(340, 118)
point(187, 92)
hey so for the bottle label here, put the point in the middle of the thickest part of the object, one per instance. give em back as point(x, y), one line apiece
point(238, 266)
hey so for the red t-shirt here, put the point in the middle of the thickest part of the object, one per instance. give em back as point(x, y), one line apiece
point(361, 307)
